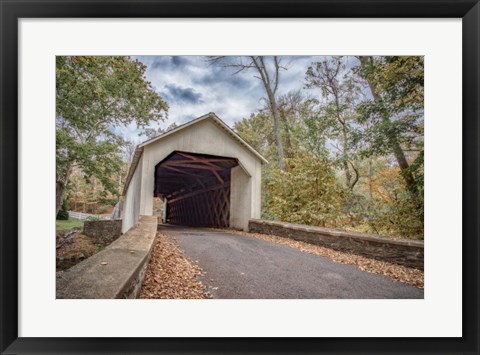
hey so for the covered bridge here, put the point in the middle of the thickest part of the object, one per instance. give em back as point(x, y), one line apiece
point(207, 174)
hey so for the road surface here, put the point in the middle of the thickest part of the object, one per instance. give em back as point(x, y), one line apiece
point(239, 267)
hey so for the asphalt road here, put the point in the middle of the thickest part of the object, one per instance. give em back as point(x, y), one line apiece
point(243, 267)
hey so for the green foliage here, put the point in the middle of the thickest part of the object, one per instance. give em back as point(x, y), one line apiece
point(339, 92)
point(400, 217)
point(394, 211)
point(395, 112)
point(62, 215)
point(399, 80)
point(95, 95)
point(257, 130)
point(307, 193)
point(354, 125)
point(416, 168)
point(95, 92)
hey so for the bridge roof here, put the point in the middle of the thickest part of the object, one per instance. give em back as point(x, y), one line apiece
point(209, 116)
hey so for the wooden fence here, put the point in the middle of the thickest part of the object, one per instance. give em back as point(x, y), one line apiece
point(83, 216)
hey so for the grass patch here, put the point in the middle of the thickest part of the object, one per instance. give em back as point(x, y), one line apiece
point(65, 226)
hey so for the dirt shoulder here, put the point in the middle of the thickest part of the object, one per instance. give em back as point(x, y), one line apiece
point(75, 249)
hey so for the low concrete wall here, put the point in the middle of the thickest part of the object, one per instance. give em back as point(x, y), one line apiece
point(115, 272)
point(105, 231)
point(403, 252)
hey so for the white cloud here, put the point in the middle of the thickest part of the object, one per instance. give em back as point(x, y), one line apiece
point(194, 87)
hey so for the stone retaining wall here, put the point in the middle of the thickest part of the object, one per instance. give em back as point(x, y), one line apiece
point(106, 231)
point(115, 272)
point(404, 252)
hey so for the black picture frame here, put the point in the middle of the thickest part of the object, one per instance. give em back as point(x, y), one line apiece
point(12, 11)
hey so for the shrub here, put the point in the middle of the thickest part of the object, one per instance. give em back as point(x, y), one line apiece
point(307, 193)
point(62, 215)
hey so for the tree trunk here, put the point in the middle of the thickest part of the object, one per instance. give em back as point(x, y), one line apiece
point(403, 164)
point(288, 140)
point(60, 193)
point(61, 187)
point(393, 142)
point(348, 175)
point(370, 174)
point(278, 132)
point(276, 122)
point(345, 157)
point(262, 70)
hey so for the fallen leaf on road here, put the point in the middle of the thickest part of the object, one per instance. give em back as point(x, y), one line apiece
point(400, 273)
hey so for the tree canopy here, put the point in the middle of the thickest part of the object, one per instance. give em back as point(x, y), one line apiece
point(94, 96)
point(355, 143)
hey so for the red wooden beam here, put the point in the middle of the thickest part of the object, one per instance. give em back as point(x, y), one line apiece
point(186, 173)
point(193, 165)
point(204, 160)
point(203, 167)
point(194, 193)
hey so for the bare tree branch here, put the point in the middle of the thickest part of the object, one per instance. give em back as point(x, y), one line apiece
point(259, 64)
point(275, 60)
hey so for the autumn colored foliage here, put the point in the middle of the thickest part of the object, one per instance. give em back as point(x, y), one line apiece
point(354, 147)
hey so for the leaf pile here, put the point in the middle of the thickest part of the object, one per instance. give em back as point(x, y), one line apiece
point(170, 274)
point(400, 273)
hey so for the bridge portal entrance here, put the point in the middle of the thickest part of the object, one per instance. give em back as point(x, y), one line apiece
point(196, 188)
point(207, 174)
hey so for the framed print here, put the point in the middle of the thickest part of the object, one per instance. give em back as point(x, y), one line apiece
point(255, 177)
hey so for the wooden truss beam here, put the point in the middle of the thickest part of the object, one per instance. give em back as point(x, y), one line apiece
point(195, 176)
point(197, 192)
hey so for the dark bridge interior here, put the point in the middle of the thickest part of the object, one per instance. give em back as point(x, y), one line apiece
point(196, 187)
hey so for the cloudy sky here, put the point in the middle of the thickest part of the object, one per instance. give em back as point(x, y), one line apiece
point(193, 87)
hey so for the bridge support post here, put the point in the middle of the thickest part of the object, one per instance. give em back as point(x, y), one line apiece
point(240, 198)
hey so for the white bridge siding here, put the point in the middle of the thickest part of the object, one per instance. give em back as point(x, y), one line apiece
point(131, 205)
point(208, 135)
